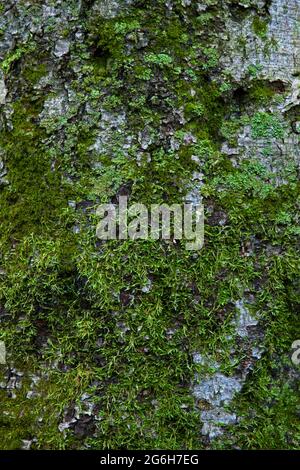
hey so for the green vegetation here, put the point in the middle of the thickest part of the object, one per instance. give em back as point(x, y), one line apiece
point(260, 27)
point(261, 92)
point(159, 59)
point(77, 313)
point(266, 125)
point(17, 55)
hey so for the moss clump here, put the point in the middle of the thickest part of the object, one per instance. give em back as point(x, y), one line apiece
point(260, 27)
point(34, 193)
point(261, 92)
point(266, 125)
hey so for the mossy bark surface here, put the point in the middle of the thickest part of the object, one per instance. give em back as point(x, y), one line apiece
point(143, 344)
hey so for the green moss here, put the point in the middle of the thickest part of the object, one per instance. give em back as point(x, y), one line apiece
point(260, 27)
point(33, 72)
point(17, 55)
point(34, 190)
point(254, 70)
point(81, 305)
point(267, 406)
point(266, 125)
point(261, 92)
point(159, 59)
